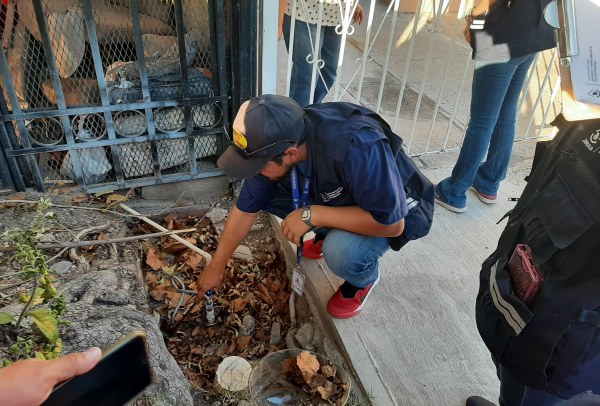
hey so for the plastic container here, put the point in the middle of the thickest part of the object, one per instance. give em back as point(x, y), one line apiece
point(266, 377)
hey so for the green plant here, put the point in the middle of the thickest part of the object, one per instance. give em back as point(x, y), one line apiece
point(42, 340)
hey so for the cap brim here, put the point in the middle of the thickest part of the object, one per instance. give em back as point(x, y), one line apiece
point(234, 165)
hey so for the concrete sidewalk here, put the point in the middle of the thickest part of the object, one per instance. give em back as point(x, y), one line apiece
point(416, 341)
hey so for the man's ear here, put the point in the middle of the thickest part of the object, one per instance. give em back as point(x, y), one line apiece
point(292, 154)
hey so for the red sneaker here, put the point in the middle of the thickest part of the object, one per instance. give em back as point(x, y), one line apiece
point(342, 308)
point(312, 249)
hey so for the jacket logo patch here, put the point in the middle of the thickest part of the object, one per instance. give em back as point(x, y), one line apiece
point(591, 141)
point(327, 196)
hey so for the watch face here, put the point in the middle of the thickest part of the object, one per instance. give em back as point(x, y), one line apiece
point(305, 214)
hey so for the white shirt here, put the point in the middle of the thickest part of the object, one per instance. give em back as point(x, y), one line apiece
point(308, 11)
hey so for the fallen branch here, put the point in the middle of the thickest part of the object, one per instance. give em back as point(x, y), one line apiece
point(104, 242)
point(62, 206)
point(191, 246)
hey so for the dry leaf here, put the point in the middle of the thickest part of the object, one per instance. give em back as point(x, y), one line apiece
point(308, 365)
point(243, 342)
point(196, 332)
point(80, 198)
point(193, 260)
point(114, 199)
point(328, 371)
point(288, 365)
point(173, 247)
point(151, 279)
point(326, 390)
point(153, 259)
point(169, 270)
point(238, 304)
point(197, 351)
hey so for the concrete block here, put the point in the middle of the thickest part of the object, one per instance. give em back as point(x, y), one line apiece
point(189, 189)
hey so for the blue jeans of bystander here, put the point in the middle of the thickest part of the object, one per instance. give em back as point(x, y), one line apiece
point(492, 126)
point(328, 51)
point(352, 257)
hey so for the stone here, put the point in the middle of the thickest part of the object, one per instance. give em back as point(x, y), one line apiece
point(62, 267)
point(242, 253)
point(47, 238)
point(290, 341)
point(217, 215)
point(304, 336)
point(275, 334)
point(248, 325)
point(244, 403)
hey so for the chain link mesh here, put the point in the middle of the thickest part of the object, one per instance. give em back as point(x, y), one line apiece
point(72, 50)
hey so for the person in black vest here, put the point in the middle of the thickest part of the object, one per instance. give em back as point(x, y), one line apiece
point(346, 173)
point(505, 36)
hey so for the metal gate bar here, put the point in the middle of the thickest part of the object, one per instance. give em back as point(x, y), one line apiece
point(112, 136)
point(60, 97)
point(20, 146)
point(450, 111)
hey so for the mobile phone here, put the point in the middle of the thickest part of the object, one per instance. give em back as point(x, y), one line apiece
point(122, 373)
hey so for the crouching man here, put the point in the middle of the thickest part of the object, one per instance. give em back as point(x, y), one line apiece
point(336, 168)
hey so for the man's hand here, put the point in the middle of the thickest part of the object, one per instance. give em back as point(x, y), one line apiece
point(293, 227)
point(467, 29)
point(210, 278)
point(29, 382)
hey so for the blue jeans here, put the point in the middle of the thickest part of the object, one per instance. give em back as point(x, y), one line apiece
point(328, 51)
point(515, 393)
point(352, 257)
point(494, 100)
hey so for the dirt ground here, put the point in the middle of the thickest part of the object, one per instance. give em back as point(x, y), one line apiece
point(252, 307)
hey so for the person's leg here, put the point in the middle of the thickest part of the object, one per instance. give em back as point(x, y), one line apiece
point(490, 84)
point(515, 393)
point(301, 69)
point(493, 170)
point(354, 257)
point(330, 53)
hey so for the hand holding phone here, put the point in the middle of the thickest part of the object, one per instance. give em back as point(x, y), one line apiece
point(122, 373)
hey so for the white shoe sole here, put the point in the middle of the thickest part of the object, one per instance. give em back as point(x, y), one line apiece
point(451, 208)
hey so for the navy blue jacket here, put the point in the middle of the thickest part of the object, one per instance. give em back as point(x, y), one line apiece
point(355, 159)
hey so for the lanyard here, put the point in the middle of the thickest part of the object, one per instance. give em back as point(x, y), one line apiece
point(297, 203)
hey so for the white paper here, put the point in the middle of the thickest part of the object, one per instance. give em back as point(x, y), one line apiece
point(585, 67)
point(298, 282)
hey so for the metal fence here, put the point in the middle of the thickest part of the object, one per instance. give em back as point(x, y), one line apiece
point(409, 62)
point(113, 93)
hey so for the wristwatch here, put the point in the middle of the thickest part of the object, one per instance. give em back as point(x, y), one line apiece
point(306, 216)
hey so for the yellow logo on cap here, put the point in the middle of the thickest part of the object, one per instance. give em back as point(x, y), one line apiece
point(239, 140)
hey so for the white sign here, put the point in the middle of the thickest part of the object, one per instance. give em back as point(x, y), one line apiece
point(298, 282)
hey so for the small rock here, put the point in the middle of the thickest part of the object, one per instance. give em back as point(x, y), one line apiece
point(62, 267)
point(305, 335)
point(244, 403)
point(248, 325)
point(47, 238)
point(290, 341)
point(217, 215)
point(242, 253)
point(275, 334)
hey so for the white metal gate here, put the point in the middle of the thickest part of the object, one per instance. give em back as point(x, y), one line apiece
point(409, 62)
